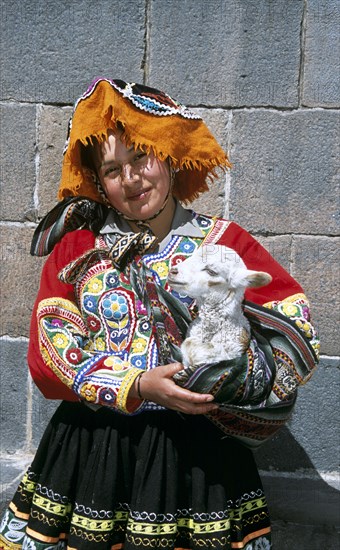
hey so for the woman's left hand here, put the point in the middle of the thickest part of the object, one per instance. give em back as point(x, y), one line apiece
point(157, 385)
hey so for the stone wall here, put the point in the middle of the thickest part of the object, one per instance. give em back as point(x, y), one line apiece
point(264, 74)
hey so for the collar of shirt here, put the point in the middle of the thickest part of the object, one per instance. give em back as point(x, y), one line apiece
point(184, 224)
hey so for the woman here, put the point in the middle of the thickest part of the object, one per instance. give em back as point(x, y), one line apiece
point(130, 459)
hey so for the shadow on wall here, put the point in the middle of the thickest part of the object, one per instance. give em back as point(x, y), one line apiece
point(295, 490)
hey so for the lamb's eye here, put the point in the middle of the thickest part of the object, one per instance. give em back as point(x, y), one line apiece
point(210, 271)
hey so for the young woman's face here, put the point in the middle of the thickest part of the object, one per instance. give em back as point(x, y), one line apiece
point(135, 183)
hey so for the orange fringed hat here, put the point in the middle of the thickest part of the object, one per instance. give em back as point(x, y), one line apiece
point(151, 120)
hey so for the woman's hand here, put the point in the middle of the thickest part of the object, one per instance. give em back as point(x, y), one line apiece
point(158, 386)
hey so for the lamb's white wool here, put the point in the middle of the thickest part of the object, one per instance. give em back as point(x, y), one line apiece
point(216, 277)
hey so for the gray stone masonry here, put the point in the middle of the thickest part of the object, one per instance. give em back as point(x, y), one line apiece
point(321, 63)
point(265, 77)
point(52, 123)
point(230, 53)
point(20, 275)
point(54, 48)
point(316, 264)
point(291, 158)
point(17, 154)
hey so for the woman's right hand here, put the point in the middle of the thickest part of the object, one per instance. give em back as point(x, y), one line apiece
point(157, 385)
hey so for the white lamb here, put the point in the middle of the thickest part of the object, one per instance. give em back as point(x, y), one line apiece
point(216, 277)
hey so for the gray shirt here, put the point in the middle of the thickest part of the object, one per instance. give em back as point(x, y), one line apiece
point(183, 224)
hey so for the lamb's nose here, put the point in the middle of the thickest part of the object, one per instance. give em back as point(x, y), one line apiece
point(173, 271)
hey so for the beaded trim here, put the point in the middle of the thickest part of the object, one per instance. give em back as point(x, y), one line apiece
point(122, 396)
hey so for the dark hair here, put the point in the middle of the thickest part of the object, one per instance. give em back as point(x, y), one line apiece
point(87, 156)
point(86, 151)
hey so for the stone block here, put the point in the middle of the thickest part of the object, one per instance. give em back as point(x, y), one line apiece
point(315, 264)
point(279, 247)
point(310, 441)
point(213, 202)
point(226, 53)
point(316, 417)
point(14, 392)
point(12, 469)
point(20, 274)
point(42, 412)
point(17, 156)
point(308, 501)
point(55, 49)
point(217, 121)
point(287, 535)
point(322, 54)
point(282, 163)
point(52, 125)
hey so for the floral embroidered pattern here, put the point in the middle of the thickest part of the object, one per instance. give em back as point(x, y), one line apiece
point(60, 340)
point(92, 348)
point(162, 269)
point(114, 307)
point(95, 286)
point(116, 363)
point(73, 355)
point(297, 309)
point(88, 392)
point(187, 247)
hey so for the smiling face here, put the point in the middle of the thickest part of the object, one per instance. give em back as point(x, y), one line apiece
point(136, 184)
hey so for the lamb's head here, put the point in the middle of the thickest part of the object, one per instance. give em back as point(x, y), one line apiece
point(214, 270)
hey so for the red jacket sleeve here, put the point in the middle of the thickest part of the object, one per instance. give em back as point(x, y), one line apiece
point(72, 245)
point(258, 258)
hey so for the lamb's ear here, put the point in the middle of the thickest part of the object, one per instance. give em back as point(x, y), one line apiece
point(258, 278)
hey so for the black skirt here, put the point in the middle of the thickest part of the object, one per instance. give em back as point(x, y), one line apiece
point(101, 480)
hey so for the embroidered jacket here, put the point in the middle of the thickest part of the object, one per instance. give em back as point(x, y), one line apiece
point(90, 340)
